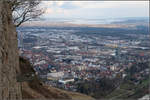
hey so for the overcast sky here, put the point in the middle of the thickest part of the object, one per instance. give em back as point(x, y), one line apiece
point(95, 9)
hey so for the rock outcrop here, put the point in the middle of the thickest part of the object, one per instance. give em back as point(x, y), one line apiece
point(9, 59)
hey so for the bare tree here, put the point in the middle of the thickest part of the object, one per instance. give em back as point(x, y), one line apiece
point(25, 10)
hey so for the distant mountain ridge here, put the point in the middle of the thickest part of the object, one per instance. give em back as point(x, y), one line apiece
point(131, 23)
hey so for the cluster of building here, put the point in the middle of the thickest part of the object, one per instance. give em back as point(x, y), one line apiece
point(64, 58)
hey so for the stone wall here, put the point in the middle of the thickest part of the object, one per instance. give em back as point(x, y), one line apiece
point(9, 59)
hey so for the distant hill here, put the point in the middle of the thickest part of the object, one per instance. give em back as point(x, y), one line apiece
point(130, 23)
point(143, 20)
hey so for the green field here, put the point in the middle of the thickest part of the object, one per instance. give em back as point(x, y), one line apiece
point(129, 90)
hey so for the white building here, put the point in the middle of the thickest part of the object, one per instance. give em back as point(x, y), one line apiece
point(55, 74)
point(66, 81)
point(81, 67)
point(40, 62)
point(73, 48)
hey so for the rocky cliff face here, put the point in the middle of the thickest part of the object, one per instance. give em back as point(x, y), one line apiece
point(9, 60)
